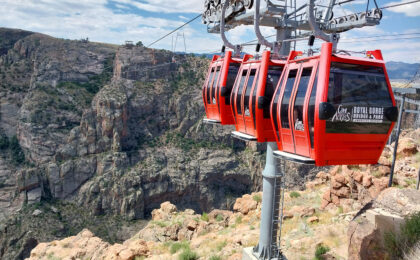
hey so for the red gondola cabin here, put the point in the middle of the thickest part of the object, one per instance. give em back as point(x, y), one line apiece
point(333, 109)
point(218, 86)
point(251, 97)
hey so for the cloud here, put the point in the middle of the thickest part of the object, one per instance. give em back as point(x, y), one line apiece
point(89, 18)
point(165, 6)
point(411, 10)
point(95, 19)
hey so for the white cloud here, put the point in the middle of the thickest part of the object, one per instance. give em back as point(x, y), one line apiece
point(369, 30)
point(167, 6)
point(89, 18)
point(408, 9)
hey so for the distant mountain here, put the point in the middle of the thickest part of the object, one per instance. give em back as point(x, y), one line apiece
point(401, 70)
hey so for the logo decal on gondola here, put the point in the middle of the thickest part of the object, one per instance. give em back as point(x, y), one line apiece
point(359, 114)
point(214, 101)
point(299, 125)
point(341, 115)
point(368, 114)
point(247, 112)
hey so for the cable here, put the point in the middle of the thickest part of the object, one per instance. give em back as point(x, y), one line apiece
point(381, 35)
point(344, 40)
point(166, 35)
point(374, 40)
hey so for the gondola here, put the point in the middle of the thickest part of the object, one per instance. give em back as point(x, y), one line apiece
point(218, 86)
point(251, 97)
point(332, 109)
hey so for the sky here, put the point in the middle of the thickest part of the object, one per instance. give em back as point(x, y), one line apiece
point(115, 21)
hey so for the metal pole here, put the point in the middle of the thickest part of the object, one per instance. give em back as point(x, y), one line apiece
point(264, 248)
point(391, 176)
point(418, 179)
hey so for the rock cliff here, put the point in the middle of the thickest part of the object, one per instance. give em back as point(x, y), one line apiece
point(115, 130)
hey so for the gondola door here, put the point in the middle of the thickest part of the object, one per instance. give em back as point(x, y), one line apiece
point(212, 98)
point(252, 83)
point(236, 98)
point(286, 131)
point(298, 116)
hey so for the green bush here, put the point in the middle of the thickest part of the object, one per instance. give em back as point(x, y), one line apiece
point(219, 218)
point(215, 257)
point(4, 142)
point(175, 247)
point(205, 216)
point(410, 231)
point(18, 156)
point(294, 194)
point(321, 250)
point(187, 254)
point(238, 220)
point(221, 245)
point(410, 235)
point(257, 198)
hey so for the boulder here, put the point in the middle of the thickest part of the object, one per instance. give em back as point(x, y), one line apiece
point(327, 195)
point(302, 211)
point(343, 192)
point(381, 183)
point(36, 212)
point(312, 219)
point(336, 184)
point(323, 176)
point(245, 204)
point(163, 213)
point(324, 204)
point(168, 207)
point(85, 245)
point(192, 225)
point(358, 177)
point(218, 215)
point(334, 170)
point(407, 147)
point(340, 178)
point(335, 199)
point(367, 180)
point(385, 214)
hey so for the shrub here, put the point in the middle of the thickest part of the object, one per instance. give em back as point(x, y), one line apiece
point(321, 250)
point(410, 235)
point(294, 194)
point(160, 223)
point(219, 218)
point(175, 247)
point(238, 220)
point(257, 198)
point(188, 255)
point(221, 245)
point(4, 142)
point(410, 231)
point(205, 216)
point(215, 257)
point(18, 156)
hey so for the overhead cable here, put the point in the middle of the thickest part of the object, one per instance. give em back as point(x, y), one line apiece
point(166, 35)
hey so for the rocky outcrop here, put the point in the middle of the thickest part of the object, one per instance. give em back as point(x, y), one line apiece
point(86, 245)
point(385, 214)
point(364, 182)
point(221, 233)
